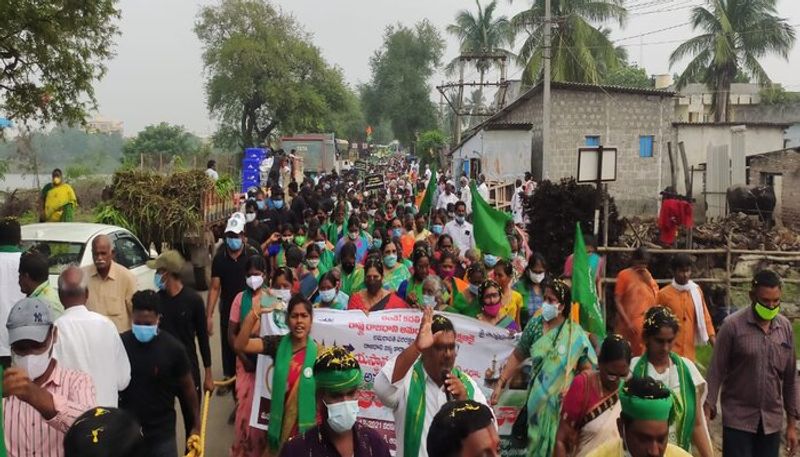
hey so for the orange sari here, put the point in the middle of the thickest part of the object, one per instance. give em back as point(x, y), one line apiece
point(636, 291)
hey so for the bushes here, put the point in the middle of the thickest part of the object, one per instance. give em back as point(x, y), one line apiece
point(553, 211)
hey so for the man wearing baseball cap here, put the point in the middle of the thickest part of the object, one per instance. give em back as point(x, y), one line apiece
point(228, 274)
point(39, 394)
point(183, 315)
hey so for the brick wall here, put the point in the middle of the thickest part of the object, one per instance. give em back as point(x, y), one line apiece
point(619, 120)
point(787, 164)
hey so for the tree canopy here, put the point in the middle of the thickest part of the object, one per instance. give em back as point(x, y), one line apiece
point(736, 34)
point(263, 75)
point(50, 55)
point(161, 139)
point(399, 89)
point(628, 76)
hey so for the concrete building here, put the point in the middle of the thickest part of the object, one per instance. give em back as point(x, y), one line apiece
point(102, 125)
point(781, 170)
point(635, 121)
point(694, 103)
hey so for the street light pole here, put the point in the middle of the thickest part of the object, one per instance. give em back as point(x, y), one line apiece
point(546, 90)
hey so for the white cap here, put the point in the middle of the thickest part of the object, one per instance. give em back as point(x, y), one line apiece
point(236, 224)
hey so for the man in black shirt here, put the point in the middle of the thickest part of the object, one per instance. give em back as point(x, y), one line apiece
point(228, 276)
point(160, 370)
point(279, 215)
point(183, 315)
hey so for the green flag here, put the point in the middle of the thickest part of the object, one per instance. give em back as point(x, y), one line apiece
point(584, 289)
point(489, 226)
point(427, 201)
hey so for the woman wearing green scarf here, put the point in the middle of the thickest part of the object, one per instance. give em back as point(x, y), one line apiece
point(680, 375)
point(410, 290)
point(559, 349)
point(293, 406)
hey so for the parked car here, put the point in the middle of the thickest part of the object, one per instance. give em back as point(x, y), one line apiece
point(66, 243)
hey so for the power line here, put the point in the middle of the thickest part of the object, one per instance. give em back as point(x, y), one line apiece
point(672, 27)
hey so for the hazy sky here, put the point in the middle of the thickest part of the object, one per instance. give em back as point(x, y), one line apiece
point(157, 74)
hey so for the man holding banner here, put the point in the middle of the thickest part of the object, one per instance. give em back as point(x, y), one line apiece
point(419, 381)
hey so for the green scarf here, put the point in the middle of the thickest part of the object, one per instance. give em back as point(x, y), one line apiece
point(415, 407)
point(9, 248)
point(307, 407)
point(685, 404)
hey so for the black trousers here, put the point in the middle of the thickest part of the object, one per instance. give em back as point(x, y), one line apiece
point(186, 410)
point(228, 356)
point(738, 443)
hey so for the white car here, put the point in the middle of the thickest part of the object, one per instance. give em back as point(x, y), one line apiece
point(67, 243)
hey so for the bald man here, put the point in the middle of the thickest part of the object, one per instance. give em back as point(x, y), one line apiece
point(111, 286)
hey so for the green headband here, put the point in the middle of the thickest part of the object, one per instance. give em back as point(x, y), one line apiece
point(655, 409)
point(338, 380)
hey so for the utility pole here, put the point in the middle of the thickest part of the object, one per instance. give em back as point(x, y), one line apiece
point(546, 90)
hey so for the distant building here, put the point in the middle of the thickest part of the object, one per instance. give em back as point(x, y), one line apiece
point(635, 121)
point(101, 125)
point(781, 170)
point(694, 103)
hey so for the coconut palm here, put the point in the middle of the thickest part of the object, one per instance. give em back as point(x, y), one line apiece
point(581, 51)
point(481, 33)
point(737, 34)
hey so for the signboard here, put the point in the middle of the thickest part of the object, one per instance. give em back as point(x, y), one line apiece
point(360, 166)
point(588, 164)
point(376, 338)
point(373, 182)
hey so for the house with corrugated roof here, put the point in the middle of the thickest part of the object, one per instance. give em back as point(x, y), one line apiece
point(637, 122)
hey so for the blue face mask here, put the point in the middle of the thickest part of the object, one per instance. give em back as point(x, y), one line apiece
point(144, 333)
point(158, 280)
point(397, 232)
point(320, 245)
point(327, 296)
point(460, 219)
point(261, 204)
point(278, 204)
point(234, 244)
point(377, 243)
point(473, 289)
point(490, 260)
point(390, 260)
point(549, 311)
point(437, 229)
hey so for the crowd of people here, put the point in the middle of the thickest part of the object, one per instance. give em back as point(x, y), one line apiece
point(94, 367)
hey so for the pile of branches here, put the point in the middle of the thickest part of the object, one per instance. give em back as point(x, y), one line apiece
point(553, 211)
point(157, 208)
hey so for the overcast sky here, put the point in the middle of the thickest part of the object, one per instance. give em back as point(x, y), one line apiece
point(157, 73)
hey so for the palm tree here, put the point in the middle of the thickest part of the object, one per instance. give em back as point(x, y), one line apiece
point(737, 34)
point(481, 33)
point(581, 52)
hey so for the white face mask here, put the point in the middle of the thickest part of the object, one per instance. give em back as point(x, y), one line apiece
point(283, 294)
point(536, 278)
point(250, 217)
point(254, 282)
point(342, 416)
point(34, 364)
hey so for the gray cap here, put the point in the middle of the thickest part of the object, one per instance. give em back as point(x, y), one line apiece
point(29, 319)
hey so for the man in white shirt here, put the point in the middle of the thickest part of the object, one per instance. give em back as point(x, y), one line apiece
point(448, 197)
point(517, 207)
point(211, 171)
point(460, 230)
point(427, 172)
point(423, 378)
point(466, 195)
point(483, 188)
point(89, 341)
point(10, 293)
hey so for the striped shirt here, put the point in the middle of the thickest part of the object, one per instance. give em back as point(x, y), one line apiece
point(28, 434)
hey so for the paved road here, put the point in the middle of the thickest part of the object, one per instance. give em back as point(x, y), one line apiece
point(219, 435)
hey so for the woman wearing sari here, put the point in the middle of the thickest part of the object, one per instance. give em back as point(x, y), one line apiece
point(490, 311)
point(394, 272)
point(374, 297)
point(293, 408)
point(635, 292)
point(559, 349)
point(530, 287)
point(467, 302)
point(446, 269)
point(248, 441)
point(410, 290)
point(58, 200)
point(591, 406)
point(680, 375)
point(511, 299)
point(352, 274)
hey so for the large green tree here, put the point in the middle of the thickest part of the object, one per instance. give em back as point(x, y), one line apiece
point(581, 51)
point(628, 76)
point(51, 52)
point(736, 34)
point(399, 89)
point(263, 75)
point(161, 139)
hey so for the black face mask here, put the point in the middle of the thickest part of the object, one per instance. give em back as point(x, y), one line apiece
point(348, 267)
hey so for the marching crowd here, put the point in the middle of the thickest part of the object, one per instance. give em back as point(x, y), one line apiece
point(94, 367)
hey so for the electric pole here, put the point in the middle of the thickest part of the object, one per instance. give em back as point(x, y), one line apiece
point(546, 90)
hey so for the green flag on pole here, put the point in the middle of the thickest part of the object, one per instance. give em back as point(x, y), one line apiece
point(489, 226)
point(584, 290)
point(427, 201)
